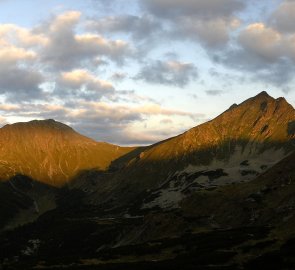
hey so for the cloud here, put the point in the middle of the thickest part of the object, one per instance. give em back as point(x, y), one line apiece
point(283, 18)
point(206, 9)
point(20, 84)
point(139, 27)
point(214, 92)
point(166, 121)
point(82, 84)
point(211, 33)
point(173, 73)
point(118, 76)
point(264, 52)
point(10, 55)
point(32, 57)
point(263, 41)
point(123, 113)
point(131, 96)
point(11, 33)
point(66, 50)
point(19, 80)
point(117, 123)
point(209, 22)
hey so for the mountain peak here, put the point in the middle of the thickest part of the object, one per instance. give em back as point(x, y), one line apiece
point(50, 123)
point(263, 94)
point(47, 124)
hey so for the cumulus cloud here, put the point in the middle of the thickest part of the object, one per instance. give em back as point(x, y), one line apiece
point(139, 27)
point(11, 55)
point(264, 52)
point(20, 36)
point(32, 57)
point(283, 18)
point(20, 84)
point(263, 41)
point(19, 80)
point(66, 49)
point(211, 33)
point(209, 22)
point(82, 84)
point(171, 72)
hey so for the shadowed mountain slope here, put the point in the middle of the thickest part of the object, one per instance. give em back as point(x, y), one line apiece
point(51, 152)
point(269, 199)
point(23, 200)
point(243, 226)
point(236, 146)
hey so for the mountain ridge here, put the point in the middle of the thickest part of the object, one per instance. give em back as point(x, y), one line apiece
point(257, 130)
point(257, 124)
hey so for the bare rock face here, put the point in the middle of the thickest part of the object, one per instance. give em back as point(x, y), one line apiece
point(51, 152)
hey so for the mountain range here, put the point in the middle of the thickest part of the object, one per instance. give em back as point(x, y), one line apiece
point(218, 196)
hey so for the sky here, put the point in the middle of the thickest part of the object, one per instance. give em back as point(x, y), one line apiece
point(134, 72)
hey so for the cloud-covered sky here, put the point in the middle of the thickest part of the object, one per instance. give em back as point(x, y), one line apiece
point(138, 71)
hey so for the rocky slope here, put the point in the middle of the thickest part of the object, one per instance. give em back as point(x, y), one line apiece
point(51, 152)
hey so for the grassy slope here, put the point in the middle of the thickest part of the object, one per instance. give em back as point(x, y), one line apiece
point(51, 152)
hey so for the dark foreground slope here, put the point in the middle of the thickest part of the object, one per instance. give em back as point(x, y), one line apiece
point(243, 226)
point(24, 200)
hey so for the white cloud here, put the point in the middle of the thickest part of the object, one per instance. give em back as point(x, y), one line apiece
point(11, 33)
point(67, 50)
point(263, 41)
point(82, 84)
point(12, 55)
